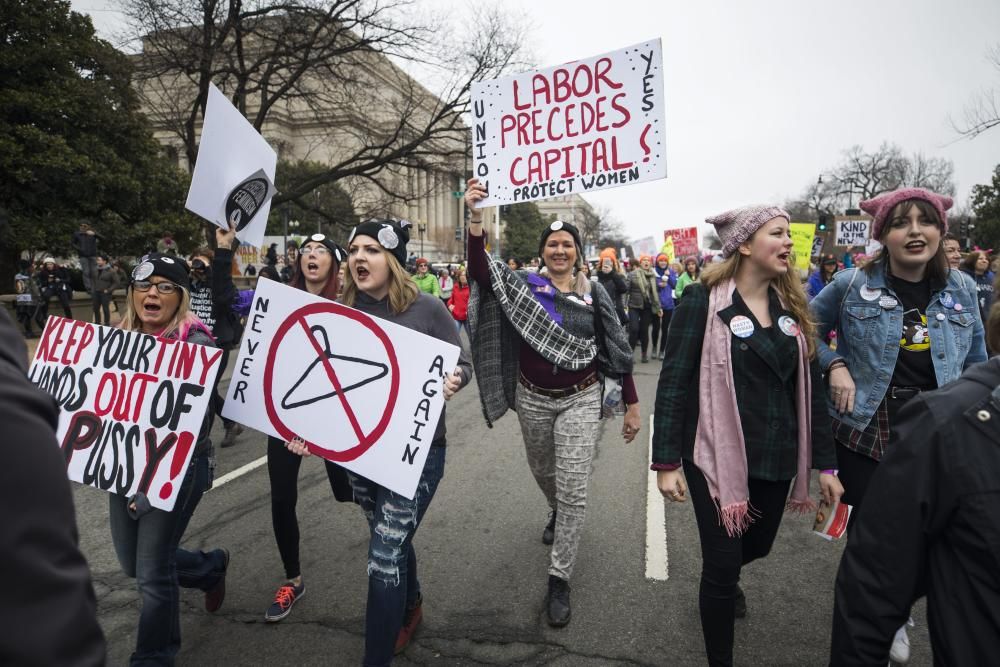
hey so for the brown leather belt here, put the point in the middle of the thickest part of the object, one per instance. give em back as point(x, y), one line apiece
point(589, 381)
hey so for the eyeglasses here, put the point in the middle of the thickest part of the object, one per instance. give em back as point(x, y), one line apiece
point(315, 250)
point(162, 288)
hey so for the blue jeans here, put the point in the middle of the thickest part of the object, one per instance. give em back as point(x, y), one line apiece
point(147, 550)
point(392, 563)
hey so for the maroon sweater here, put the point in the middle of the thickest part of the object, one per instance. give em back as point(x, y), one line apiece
point(534, 367)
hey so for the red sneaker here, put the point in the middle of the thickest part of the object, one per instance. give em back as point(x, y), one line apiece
point(410, 623)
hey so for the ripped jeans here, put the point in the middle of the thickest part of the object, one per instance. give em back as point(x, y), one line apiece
point(392, 562)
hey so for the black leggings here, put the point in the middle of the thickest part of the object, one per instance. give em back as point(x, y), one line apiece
point(661, 324)
point(639, 327)
point(722, 556)
point(283, 471)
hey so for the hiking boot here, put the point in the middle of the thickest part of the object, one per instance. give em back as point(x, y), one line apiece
point(741, 603)
point(233, 430)
point(286, 596)
point(216, 594)
point(549, 534)
point(557, 603)
point(411, 620)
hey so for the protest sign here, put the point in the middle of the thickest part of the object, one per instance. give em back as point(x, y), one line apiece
point(852, 231)
point(591, 124)
point(817, 248)
point(685, 241)
point(131, 405)
point(644, 246)
point(802, 243)
point(668, 249)
point(233, 179)
point(361, 391)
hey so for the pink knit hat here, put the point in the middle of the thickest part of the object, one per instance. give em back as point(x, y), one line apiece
point(736, 226)
point(881, 207)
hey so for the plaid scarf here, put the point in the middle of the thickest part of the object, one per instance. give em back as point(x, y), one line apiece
point(508, 313)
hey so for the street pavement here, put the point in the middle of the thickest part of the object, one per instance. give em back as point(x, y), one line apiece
point(482, 567)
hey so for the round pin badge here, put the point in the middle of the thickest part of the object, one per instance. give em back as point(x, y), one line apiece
point(142, 271)
point(166, 260)
point(741, 326)
point(317, 237)
point(870, 293)
point(788, 326)
point(947, 300)
point(887, 302)
point(940, 317)
point(388, 238)
point(958, 308)
point(556, 226)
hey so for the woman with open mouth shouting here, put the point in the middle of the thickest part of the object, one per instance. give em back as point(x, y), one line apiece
point(546, 345)
point(905, 323)
point(146, 539)
point(377, 283)
point(756, 419)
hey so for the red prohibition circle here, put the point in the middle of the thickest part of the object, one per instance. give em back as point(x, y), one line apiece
point(365, 441)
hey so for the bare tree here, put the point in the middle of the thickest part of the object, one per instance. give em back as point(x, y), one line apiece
point(982, 112)
point(329, 64)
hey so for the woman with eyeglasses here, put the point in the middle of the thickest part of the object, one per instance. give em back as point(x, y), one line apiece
point(146, 539)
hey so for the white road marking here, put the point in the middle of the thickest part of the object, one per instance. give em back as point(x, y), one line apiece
point(239, 472)
point(657, 565)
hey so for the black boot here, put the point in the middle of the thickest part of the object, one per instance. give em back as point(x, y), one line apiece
point(557, 603)
point(741, 603)
point(549, 534)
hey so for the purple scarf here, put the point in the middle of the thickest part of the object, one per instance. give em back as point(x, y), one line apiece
point(719, 448)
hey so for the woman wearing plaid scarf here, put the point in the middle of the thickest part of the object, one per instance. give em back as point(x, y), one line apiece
point(743, 337)
point(545, 345)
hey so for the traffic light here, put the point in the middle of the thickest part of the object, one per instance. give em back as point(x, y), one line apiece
point(822, 222)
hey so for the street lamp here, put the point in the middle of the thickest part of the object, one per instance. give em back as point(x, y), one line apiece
point(421, 228)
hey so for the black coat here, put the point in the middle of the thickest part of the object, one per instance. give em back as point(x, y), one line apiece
point(616, 287)
point(930, 526)
point(227, 328)
point(49, 615)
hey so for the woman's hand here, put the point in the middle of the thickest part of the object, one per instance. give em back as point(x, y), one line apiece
point(452, 383)
point(225, 239)
point(298, 446)
point(475, 192)
point(672, 485)
point(830, 488)
point(633, 422)
point(842, 389)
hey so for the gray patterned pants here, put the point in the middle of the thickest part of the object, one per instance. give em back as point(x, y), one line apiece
point(560, 435)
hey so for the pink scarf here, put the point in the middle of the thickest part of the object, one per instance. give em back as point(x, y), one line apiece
point(719, 448)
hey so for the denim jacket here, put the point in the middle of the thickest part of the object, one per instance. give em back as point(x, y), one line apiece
point(868, 335)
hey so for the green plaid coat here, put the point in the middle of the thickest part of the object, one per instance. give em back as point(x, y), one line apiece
point(764, 372)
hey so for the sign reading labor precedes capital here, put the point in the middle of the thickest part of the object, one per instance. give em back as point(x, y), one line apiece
point(359, 390)
point(590, 124)
point(131, 405)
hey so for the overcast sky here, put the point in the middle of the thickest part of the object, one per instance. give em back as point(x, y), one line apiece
point(763, 96)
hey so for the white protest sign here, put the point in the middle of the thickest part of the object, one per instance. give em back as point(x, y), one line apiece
point(361, 391)
point(131, 405)
point(234, 176)
point(852, 231)
point(591, 124)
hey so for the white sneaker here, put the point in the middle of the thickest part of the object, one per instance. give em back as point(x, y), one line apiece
point(900, 651)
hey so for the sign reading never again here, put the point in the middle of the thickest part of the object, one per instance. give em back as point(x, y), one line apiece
point(361, 391)
point(131, 405)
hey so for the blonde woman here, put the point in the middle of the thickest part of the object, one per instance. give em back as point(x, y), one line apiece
point(145, 539)
point(742, 408)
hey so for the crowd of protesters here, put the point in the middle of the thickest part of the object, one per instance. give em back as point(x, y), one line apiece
point(868, 376)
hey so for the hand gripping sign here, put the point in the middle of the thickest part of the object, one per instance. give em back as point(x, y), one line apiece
point(131, 405)
point(591, 124)
point(361, 391)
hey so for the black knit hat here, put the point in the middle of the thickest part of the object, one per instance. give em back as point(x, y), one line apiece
point(338, 253)
point(560, 226)
point(392, 235)
point(172, 268)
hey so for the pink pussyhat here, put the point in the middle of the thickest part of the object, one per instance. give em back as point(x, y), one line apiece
point(881, 207)
point(737, 226)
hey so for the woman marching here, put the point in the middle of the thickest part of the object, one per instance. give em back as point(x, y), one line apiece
point(977, 265)
point(822, 276)
point(691, 274)
point(757, 419)
point(666, 281)
point(544, 345)
point(377, 284)
point(643, 305)
point(905, 324)
point(613, 282)
point(146, 539)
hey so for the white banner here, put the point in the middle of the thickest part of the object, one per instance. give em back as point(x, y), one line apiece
point(361, 391)
point(591, 124)
point(131, 405)
point(852, 232)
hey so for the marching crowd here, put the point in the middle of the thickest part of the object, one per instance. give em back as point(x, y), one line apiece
point(875, 377)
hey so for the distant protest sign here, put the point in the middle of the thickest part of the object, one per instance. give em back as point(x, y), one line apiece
point(852, 231)
point(644, 246)
point(591, 124)
point(131, 405)
point(233, 179)
point(802, 243)
point(685, 241)
point(361, 391)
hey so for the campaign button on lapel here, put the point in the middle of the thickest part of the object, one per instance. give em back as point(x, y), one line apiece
point(870, 294)
point(741, 326)
point(788, 326)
